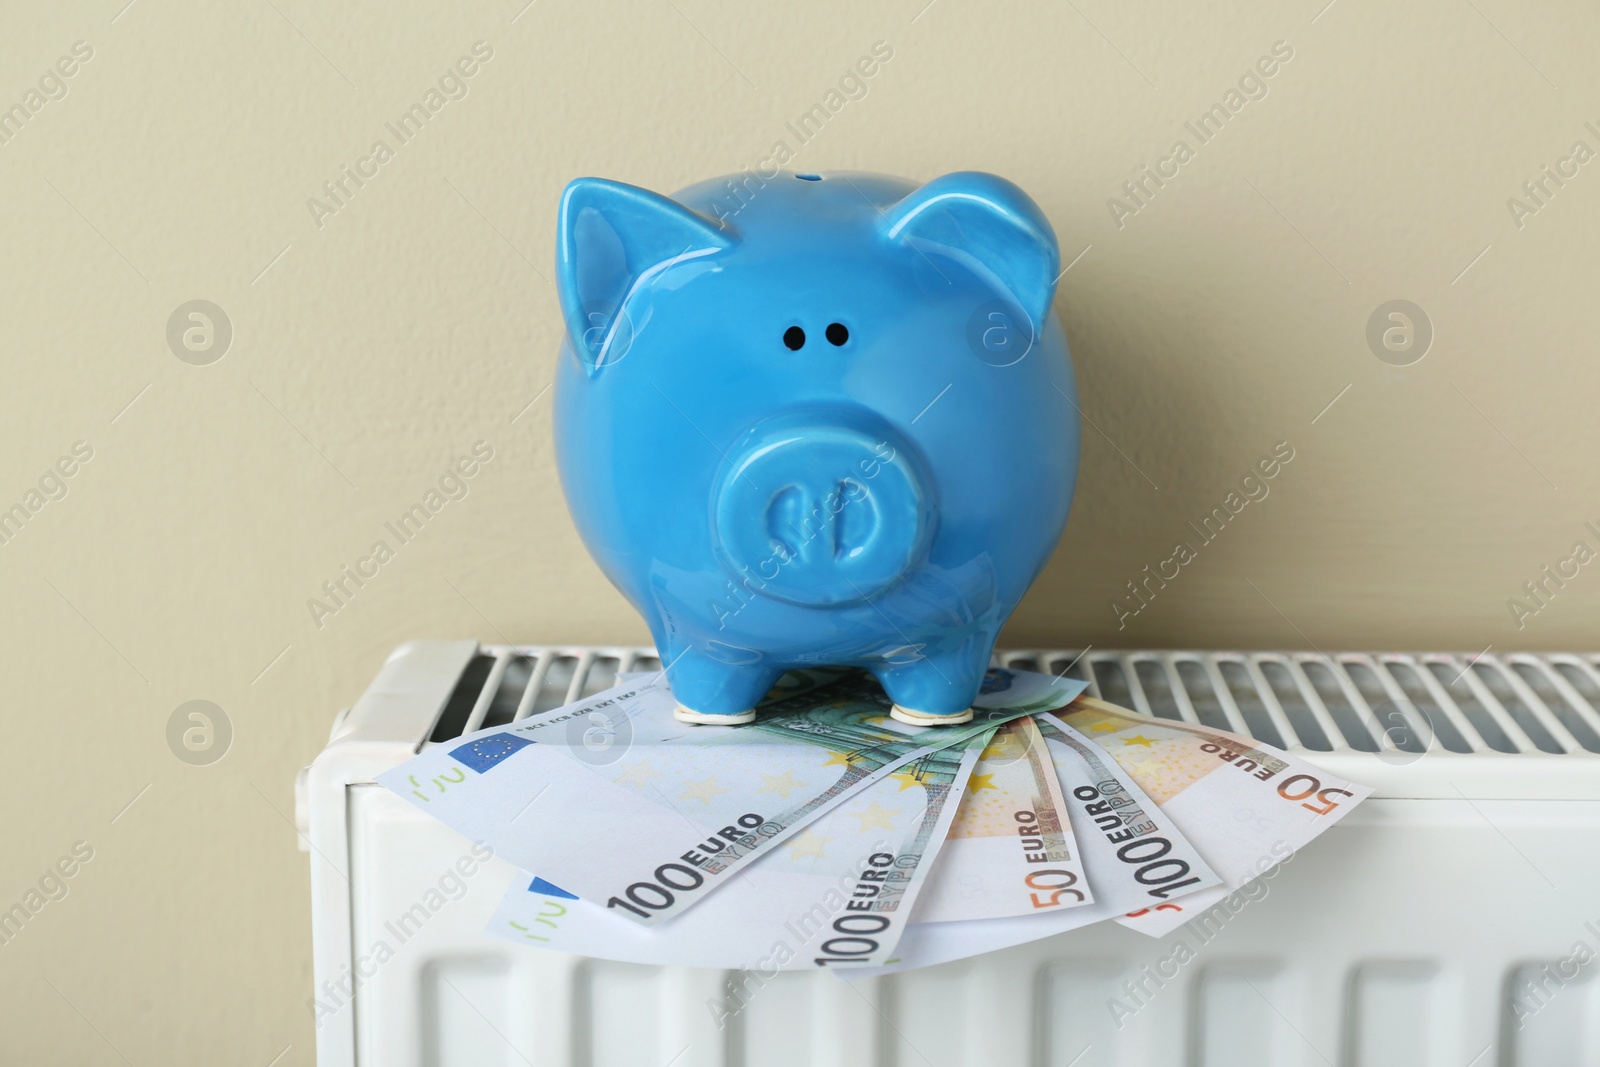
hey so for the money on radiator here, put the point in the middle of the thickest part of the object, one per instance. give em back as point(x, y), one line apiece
point(836, 895)
point(827, 835)
point(650, 826)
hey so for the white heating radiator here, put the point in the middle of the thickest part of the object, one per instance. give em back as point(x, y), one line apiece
point(1449, 921)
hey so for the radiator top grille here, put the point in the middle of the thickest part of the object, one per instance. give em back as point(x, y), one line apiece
point(1391, 704)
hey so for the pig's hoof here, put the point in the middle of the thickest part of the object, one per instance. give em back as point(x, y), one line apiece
point(922, 718)
point(700, 718)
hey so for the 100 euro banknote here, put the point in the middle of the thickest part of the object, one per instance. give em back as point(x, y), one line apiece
point(838, 894)
point(654, 823)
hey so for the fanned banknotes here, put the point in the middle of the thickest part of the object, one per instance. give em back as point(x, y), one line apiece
point(826, 835)
point(651, 827)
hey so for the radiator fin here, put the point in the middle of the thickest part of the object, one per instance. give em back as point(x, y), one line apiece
point(618, 1017)
point(1444, 719)
point(781, 1012)
point(1392, 1016)
point(458, 709)
point(1076, 1021)
point(1396, 706)
point(1552, 1020)
point(927, 1018)
point(1301, 712)
point(466, 1013)
point(1239, 1019)
point(1552, 689)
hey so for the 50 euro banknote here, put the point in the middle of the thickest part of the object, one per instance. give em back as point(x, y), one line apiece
point(653, 823)
point(1011, 849)
point(1246, 805)
point(837, 895)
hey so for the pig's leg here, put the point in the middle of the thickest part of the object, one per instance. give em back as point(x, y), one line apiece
point(713, 693)
point(937, 689)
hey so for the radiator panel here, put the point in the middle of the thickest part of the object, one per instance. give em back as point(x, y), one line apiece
point(1440, 923)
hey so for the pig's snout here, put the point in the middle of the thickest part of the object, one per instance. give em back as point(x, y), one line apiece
point(823, 510)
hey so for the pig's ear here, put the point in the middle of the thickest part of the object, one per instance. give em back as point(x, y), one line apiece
point(613, 237)
point(991, 226)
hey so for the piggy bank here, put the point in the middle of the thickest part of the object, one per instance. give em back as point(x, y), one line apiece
point(815, 419)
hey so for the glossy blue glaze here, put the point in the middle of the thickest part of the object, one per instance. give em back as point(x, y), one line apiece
point(881, 502)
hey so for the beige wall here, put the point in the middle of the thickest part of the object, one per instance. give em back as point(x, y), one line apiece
point(1219, 318)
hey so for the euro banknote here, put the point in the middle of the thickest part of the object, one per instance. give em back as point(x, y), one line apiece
point(1011, 849)
point(836, 895)
point(651, 824)
point(1246, 805)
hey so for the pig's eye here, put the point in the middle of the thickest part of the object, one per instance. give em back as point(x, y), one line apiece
point(795, 338)
point(837, 334)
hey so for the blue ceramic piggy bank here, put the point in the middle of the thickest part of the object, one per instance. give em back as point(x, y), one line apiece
point(815, 419)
